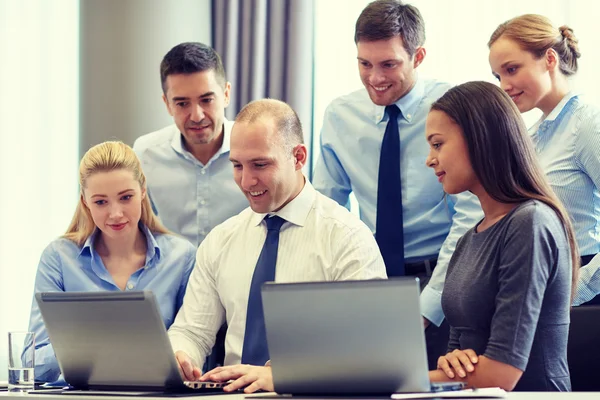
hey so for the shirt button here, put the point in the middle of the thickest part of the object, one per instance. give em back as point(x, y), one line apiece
point(203, 202)
point(130, 286)
point(408, 117)
point(203, 171)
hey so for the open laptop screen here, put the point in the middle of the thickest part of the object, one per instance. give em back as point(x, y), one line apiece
point(110, 340)
point(347, 337)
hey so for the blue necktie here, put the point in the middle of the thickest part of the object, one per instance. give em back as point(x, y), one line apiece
point(389, 231)
point(255, 351)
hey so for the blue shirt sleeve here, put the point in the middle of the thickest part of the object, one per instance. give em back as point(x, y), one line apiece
point(154, 209)
point(329, 176)
point(587, 147)
point(467, 212)
point(588, 283)
point(587, 155)
point(191, 261)
point(48, 279)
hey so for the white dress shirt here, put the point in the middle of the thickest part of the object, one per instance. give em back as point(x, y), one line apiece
point(189, 197)
point(320, 241)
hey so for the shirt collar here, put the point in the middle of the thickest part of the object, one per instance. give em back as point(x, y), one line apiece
point(153, 249)
point(89, 247)
point(296, 211)
point(407, 104)
point(560, 106)
point(544, 125)
point(178, 144)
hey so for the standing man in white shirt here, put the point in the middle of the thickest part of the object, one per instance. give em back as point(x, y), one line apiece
point(190, 179)
point(290, 229)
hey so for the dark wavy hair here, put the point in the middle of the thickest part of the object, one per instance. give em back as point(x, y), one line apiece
point(501, 152)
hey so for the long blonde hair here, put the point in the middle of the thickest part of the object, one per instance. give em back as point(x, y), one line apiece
point(104, 157)
point(536, 34)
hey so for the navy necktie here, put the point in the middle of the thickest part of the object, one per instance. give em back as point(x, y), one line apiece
point(389, 231)
point(255, 351)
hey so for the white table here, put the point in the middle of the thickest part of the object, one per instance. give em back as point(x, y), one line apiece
point(510, 396)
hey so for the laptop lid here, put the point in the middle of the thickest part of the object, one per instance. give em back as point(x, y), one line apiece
point(346, 337)
point(110, 340)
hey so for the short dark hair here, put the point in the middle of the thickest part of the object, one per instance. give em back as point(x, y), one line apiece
point(501, 152)
point(189, 58)
point(385, 19)
point(285, 118)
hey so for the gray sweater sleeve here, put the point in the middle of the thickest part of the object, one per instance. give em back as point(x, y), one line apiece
point(526, 263)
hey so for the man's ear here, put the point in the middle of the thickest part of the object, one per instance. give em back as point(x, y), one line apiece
point(227, 93)
point(419, 56)
point(164, 97)
point(300, 156)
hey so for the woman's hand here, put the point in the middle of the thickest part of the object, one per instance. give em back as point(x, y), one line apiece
point(456, 362)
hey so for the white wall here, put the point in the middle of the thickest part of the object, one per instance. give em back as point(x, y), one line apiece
point(38, 144)
point(457, 34)
point(122, 44)
point(47, 113)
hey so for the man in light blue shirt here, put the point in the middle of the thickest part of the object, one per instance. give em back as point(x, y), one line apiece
point(389, 37)
point(190, 179)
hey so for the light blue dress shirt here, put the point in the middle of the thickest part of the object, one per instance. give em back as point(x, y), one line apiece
point(351, 137)
point(567, 142)
point(189, 197)
point(588, 284)
point(66, 267)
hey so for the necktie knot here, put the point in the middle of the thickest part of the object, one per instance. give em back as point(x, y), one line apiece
point(392, 111)
point(274, 223)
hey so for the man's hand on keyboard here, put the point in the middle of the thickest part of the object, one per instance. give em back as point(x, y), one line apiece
point(187, 369)
point(250, 377)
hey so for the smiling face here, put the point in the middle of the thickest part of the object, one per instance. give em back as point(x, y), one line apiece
point(387, 70)
point(197, 103)
point(448, 154)
point(268, 172)
point(114, 199)
point(527, 80)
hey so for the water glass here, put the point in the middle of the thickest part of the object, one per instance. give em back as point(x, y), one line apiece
point(21, 351)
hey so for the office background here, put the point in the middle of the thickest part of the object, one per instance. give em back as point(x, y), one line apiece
point(74, 73)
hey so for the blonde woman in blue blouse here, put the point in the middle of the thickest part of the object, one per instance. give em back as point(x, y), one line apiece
point(114, 243)
point(533, 61)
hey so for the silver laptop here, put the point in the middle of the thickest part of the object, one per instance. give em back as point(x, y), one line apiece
point(348, 337)
point(113, 341)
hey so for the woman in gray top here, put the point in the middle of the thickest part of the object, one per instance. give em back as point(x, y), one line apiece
point(508, 288)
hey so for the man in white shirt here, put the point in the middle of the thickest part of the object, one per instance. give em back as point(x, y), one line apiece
point(318, 241)
point(187, 164)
